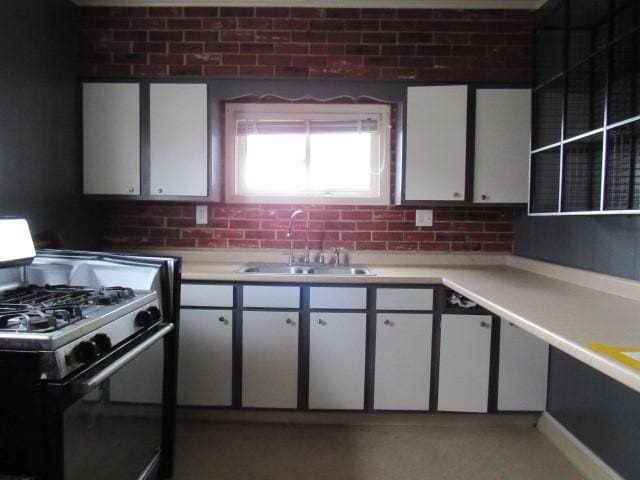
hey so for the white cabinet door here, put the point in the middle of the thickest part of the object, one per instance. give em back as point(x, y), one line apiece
point(503, 129)
point(522, 378)
point(403, 361)
point(111, 138)
point(270, 359)
point(465, 347)
point(436, 153)
point(178, 139)
point(205, 360)
point(336, 360)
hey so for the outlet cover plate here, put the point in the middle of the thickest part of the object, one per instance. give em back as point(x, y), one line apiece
point(201, 215)
point(424, 218)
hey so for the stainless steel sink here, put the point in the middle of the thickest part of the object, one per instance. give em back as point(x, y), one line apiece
point(304, 269)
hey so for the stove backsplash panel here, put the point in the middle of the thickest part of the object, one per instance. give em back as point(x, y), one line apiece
point(352, 227)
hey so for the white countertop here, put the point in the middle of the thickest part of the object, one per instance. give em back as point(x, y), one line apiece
point(568, 308)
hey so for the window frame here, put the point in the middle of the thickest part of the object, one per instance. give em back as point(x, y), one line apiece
point(379, 195)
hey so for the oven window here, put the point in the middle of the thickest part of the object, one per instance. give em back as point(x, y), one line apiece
point(114, 431)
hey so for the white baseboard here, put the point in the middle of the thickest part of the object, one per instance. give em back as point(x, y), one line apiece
point(587, 462)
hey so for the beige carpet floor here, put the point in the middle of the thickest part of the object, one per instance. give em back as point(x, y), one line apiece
point(440, 448)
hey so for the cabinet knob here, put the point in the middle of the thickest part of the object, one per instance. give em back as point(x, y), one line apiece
point(484, 324)
point(130, 189)
point(484, 197)
point(223, 320)
point(288, 321)
point(159, 190)
point(388, 322)
point(321, 322)
point(457, 194)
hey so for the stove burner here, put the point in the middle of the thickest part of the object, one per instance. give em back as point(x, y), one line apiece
point(25, 321)
point(111, 295)
point(51, 307)
point(65, 313)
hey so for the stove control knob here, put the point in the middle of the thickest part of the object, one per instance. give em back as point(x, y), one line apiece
point(155, 313)
point(144, 319)
point(85, 352)
point(102, 342)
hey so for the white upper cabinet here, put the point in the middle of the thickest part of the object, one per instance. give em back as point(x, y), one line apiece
point(111, 138)
point(178, 139)
point(503, 124)
point(436, 147)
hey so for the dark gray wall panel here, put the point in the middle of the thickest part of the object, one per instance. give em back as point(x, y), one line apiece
point(601, 412)
point(605, 244)
point(40, 167)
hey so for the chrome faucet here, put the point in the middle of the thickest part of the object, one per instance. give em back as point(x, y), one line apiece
point(305, 256)
point(305, 259)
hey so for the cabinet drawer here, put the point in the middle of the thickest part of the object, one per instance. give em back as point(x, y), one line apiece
point(336, 297)
point(204, 295)
point(404, 299)
point(271, 297)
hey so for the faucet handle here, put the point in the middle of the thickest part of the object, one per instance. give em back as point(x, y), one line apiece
point(336, 255)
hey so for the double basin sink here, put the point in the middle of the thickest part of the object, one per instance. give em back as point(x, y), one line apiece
point(305, 269)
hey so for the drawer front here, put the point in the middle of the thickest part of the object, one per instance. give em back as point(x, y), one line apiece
point(335, 297)
point(205, 295)
point(271, 297)
point(404, 299)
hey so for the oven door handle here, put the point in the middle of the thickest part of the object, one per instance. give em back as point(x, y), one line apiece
point(85, 386)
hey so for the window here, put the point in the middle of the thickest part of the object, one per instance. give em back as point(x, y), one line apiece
point(307, 153)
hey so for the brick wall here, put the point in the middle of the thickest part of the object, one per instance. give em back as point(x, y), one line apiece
point(428, 45)
point(349, 227)
point(456, 45)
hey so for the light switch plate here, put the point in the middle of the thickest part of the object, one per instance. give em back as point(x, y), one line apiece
point(424, 218)
point(201, 215)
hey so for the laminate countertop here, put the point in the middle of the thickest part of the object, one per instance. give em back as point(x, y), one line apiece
point(590, 316)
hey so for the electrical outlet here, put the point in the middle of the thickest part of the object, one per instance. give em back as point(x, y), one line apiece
point(424, 218)
point(201, 215)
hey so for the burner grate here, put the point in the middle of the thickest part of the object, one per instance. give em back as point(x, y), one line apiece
point(47, 308)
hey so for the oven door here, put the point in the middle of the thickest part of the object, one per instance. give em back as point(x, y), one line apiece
point(113, 427)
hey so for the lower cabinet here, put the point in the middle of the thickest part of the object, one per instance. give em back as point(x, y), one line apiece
point(270, 359)
point(205, 361)
point(336, 360)
point(522, 373)
point(274, 351)
point(402, 361)
point(465, 350)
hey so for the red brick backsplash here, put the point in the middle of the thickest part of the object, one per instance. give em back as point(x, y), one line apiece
point(432, 45)
point(165, 224)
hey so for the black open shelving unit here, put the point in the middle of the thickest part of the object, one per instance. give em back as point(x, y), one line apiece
point(585, 157)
